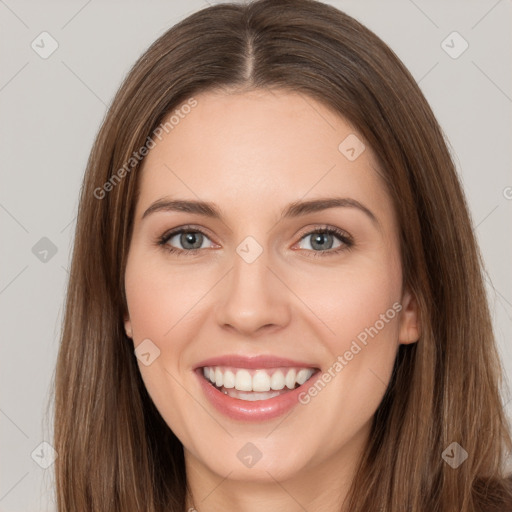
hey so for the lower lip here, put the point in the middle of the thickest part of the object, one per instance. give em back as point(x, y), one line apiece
point(259, 410)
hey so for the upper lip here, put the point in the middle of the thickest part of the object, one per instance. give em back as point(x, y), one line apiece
point(260, 361)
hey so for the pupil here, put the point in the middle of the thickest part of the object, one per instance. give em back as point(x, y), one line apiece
point(317, 239)
point(189, 238)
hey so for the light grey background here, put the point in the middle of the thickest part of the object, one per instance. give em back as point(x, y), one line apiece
point(51, 110)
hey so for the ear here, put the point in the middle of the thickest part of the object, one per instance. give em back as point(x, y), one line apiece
point(128, 326)
point(410, 328)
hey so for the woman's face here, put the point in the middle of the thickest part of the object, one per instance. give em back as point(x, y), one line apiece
point(262, 283)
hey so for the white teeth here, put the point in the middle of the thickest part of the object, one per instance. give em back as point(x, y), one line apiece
point(277, 380)
point(229, 379)
point(218, 377)
point(243, 380)
point(303, 375)
point(290, 379)
point(259, 380)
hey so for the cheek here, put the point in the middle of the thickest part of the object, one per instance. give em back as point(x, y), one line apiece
point(352, 298)
point(359, 307)
point(159, 296)
point(366, 308)
point(156, 304)
point(359, 303)
point(160, 307)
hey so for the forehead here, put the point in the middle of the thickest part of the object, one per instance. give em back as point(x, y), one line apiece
point(249, 149)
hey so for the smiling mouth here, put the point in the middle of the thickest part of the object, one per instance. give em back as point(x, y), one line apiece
point(256, 384)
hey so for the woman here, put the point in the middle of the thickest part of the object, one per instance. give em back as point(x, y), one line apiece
point(325, 344)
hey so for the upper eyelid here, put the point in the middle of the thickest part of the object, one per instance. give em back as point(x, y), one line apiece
point(181, 229)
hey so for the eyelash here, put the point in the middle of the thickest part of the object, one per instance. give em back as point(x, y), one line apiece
point(342, 235)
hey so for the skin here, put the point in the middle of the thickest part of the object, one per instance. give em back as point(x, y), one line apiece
point(252, 154)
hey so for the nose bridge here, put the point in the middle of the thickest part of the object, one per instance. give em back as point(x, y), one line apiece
point(252, 295)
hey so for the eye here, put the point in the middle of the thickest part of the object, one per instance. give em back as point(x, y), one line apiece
point(322, 240)
point(191, 240)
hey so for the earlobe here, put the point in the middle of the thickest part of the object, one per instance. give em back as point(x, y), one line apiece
point(410, 328)
point(128, 326)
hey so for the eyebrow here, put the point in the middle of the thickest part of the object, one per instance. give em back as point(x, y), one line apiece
point(295, 209)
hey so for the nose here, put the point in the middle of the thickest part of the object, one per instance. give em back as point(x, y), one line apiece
point(254, 298)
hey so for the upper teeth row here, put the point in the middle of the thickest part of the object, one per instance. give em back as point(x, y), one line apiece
point(242, 380)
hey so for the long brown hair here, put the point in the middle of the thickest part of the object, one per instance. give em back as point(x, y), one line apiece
point(115, 452)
